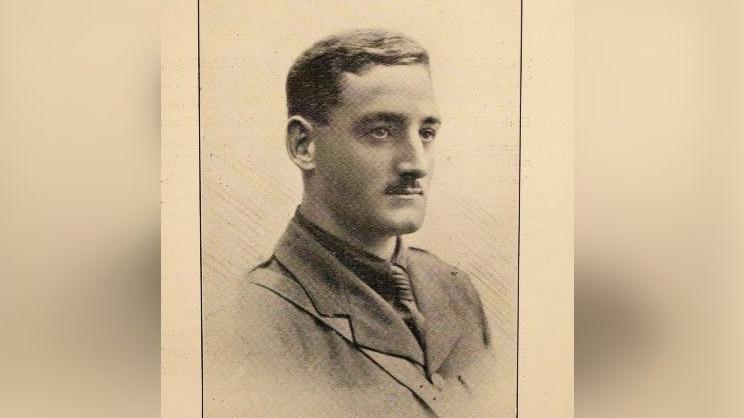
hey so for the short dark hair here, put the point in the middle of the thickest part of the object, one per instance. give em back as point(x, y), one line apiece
point(313, 83)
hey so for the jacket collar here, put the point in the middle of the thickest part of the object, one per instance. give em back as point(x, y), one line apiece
point(336, 292)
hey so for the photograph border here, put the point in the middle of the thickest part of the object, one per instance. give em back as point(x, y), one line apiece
point(546, 212)
point(200, 179)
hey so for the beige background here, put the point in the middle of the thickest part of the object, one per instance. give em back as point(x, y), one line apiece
point(250, 189)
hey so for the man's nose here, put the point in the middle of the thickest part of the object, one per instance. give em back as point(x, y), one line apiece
point(413, 157)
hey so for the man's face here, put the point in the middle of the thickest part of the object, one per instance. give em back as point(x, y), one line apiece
point(374, 158)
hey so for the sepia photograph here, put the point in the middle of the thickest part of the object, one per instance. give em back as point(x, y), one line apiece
point(359, 208)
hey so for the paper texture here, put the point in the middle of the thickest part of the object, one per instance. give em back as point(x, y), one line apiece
point(487, 66)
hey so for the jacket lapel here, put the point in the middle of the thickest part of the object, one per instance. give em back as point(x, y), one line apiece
point(335, 292)
point(431, 284)
point(404, 372)
point(295, 294)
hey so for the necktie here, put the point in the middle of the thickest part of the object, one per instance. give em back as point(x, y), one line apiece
point(405, 303)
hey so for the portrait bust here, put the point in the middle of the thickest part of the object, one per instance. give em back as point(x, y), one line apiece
point(345, 318)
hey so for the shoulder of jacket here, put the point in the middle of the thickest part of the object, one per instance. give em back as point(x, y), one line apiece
point(267, 296)
point(267, 274)
point(448, 274)
point(432, 260)
point(460, 286)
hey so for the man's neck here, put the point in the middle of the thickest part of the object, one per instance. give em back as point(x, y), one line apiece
point(381, 246)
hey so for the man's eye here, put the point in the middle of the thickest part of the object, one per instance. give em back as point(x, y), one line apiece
point(380, 133)
point(428, 134)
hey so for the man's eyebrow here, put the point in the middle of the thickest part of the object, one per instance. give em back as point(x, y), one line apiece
point(396, 118)
point(390, 117)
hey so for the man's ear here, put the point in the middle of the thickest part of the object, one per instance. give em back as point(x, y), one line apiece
point(300, 143)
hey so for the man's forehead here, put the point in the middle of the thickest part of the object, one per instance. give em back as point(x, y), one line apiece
point(403, 88)
point(382, 79)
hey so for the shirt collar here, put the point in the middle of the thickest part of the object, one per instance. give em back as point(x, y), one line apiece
point(370, 268)
point(337, 245)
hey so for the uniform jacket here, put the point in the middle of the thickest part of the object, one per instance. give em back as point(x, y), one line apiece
point(305, 337)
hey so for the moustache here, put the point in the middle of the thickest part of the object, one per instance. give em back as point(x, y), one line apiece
point(405, 185)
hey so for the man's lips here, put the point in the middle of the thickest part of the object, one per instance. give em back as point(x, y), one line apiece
point(404, 190)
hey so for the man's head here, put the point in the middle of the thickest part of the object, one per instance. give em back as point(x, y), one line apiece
point(362, 121)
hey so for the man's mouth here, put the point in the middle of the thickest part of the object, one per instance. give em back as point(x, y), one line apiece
point(404, 189)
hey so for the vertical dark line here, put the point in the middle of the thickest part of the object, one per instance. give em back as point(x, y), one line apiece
point(519, 184)
point(201, 265)
point(519, 194)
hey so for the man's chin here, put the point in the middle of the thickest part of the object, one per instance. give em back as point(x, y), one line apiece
point(401, 225)
point(408, 229)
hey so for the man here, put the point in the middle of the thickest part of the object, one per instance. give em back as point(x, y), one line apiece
point(344, 319)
